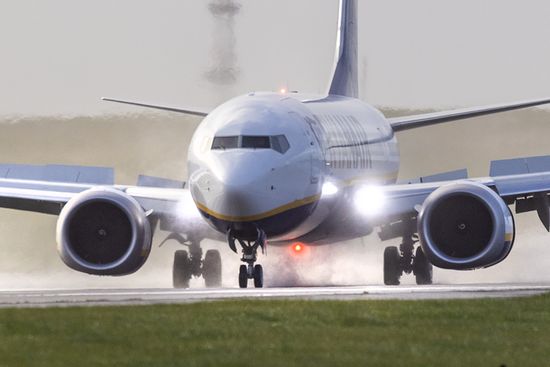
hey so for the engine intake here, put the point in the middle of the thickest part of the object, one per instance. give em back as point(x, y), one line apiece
point(103, 231)
point(464, 226)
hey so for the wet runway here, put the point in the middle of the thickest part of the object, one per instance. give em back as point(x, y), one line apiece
point(57, 297)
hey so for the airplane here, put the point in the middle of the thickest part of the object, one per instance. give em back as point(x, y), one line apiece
point(290, 168)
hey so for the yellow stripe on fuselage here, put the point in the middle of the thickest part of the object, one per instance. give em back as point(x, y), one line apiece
point(389, 177)
point(252, 218)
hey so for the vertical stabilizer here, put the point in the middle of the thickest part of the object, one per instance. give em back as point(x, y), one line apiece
point(345, 78)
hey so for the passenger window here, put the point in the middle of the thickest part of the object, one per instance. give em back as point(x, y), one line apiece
point(256, 142)
point(225, 142)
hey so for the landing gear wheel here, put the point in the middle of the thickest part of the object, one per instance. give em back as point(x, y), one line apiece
point(212, 269)
point(243, 276)
point(422, 268)
point(250, 256)
point(181, 271)
point(258, 276)
point(392, 266)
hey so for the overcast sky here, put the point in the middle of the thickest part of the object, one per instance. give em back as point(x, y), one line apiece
point(60, 56)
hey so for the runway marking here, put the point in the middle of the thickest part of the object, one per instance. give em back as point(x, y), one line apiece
point(61, 297)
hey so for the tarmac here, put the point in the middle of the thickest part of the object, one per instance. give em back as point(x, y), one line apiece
point(110, 297)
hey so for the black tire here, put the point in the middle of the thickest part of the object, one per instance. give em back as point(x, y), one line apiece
point(258, 276)
point(181, 270)
point(392, 266)
point(422, 268)
point(243, 276)
point(212, 269)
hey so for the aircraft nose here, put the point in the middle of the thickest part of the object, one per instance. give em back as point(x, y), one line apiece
point(241, 173)
point(233, 187)
point(248, 190)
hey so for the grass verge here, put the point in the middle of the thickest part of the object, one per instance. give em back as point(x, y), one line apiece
point(487, 332)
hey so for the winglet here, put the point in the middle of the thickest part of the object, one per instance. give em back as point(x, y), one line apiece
point(345, 78)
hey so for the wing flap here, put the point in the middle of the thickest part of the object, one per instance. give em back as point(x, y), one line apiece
point(516, 166)
point(445, 176)
point(58, 173)
point(520, 185)
point(151, 181)
point(34, 200)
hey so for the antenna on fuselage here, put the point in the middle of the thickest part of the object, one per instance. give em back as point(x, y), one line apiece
point(345, 77)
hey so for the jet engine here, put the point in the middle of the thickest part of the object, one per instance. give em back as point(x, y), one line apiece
point(464, 226)
point(103, 231)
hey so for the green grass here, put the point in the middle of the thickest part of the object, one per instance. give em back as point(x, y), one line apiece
point(489, 332)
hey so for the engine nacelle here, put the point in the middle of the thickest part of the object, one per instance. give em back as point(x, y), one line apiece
point(464, 226)
point(103, 231)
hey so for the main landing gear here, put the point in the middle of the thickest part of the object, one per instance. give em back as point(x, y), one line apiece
point(404, 260)
point(250, 255)
point(192, 264)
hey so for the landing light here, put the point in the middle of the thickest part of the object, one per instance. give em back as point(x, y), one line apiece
point(370, 200)
point(186, 208)
point(329, 189)
point(283, 90)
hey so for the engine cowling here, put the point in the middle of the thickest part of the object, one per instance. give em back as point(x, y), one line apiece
point(464, 226)
point(103, 231)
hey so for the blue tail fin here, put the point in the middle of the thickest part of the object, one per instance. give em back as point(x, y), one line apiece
point(345, 79)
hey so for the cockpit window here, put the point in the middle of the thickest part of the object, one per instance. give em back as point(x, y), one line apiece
point(256, 142)
point(279, 143)
point(225, 142)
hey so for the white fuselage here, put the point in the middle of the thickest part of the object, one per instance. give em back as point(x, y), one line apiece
point(262, 160)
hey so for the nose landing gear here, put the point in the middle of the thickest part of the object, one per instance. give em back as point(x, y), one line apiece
point(250, 256)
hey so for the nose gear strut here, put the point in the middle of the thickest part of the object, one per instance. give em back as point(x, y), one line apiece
point(250, 256)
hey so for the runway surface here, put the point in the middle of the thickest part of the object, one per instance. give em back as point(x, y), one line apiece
point(56, 297)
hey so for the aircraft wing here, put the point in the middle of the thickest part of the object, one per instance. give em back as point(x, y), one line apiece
point(173, 209)
point(50, 197)
point(185, 110)
point(416, 121)
point(46, 189)
point(524, 182)
point(408, 198)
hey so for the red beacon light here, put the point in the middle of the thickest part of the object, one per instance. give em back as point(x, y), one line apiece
point(298, 247)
